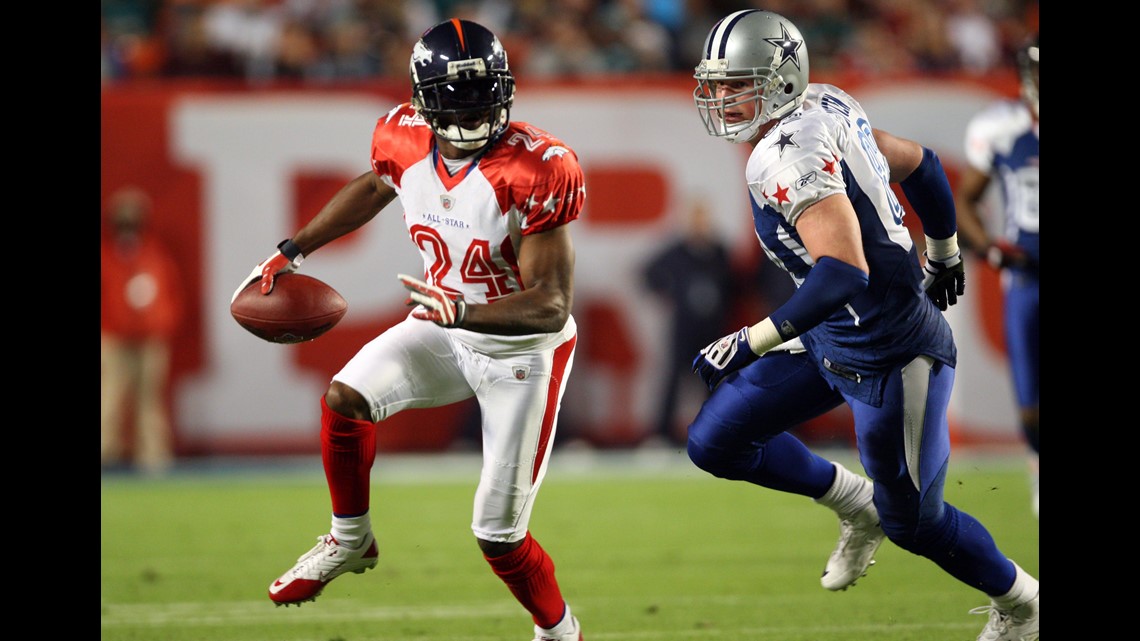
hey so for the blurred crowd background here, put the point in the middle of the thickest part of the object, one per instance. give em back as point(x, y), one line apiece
point(337, 41)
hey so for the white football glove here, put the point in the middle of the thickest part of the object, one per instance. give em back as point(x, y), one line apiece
point(439, 307)
point(285, 260)
point(723, 357)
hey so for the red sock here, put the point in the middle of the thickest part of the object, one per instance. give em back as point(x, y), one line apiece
point(348, 449)
point(529, 573)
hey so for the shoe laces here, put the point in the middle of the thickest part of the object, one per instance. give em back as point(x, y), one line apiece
point(999, 623)
point(851, 532)
point(846, 534)
point(319, 551)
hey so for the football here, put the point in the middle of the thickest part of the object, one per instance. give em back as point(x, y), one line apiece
point(300, 308)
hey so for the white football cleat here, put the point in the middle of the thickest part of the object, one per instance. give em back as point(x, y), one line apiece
point(1022, 623)
point(316, 568)
point(859, 538)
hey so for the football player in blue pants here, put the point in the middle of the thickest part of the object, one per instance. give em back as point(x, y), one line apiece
point(864, 326)
point(1003, 146)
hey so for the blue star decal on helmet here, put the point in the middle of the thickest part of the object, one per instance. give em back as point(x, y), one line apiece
point(788, 47)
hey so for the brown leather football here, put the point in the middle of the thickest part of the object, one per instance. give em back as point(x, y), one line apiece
point(300, 308)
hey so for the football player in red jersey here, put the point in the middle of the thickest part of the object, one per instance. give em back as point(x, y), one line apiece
point(487, 201)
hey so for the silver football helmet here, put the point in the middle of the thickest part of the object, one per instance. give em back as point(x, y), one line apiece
point(1029, 67)
point(755, 45)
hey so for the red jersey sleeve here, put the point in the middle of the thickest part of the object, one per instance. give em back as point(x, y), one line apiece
point(400, 138)
point(543, 179)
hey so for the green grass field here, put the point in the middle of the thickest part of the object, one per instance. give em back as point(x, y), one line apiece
point(646, 548)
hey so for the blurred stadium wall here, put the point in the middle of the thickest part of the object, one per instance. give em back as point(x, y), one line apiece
point(234, 170)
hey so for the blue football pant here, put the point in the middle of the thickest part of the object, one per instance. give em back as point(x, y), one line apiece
point(1023, 345)
point(741, 433)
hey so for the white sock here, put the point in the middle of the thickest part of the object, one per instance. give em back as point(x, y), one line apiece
point(848, 494)
point(350, 531)
point(563, 626)
point(1023, 590)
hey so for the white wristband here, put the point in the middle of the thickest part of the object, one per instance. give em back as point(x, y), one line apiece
point(942, 249)
point(763, 336)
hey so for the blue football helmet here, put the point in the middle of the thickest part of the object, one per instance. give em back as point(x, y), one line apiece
point(461, 83)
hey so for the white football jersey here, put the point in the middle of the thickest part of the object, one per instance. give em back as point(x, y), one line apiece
point(790, 169)
point(1004, 140)
point(826, 148)
point(468, 226)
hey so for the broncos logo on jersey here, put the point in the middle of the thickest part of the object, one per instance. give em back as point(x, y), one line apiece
point(554, 150)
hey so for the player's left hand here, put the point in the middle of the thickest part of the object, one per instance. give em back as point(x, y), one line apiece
point(944, 280)
point(723, 357)
point(439, 307)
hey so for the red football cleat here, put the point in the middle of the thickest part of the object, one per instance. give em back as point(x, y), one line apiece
point(319, 566)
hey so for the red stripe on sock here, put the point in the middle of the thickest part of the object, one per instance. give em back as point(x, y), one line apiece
point(348, 449)
point(529, 573)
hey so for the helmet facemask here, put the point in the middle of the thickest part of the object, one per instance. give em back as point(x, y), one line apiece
point(764, 89)
point(466, 112)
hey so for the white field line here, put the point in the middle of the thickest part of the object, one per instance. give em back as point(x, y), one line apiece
point(251, 613)
point(263, 612)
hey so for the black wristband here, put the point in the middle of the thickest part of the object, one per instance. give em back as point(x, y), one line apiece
point(289, 249)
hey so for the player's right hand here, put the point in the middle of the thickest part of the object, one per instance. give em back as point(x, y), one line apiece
point(723, 357)
point(267, 270)
point(944, 280)
point(436, 305)
point(1002, 254)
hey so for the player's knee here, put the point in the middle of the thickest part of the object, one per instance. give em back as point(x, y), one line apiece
point(701, 456)
point(716, 461)
point(698, 455)
point(347, 402)
point(919, 533)
point(901, 534)
point(495, 549)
